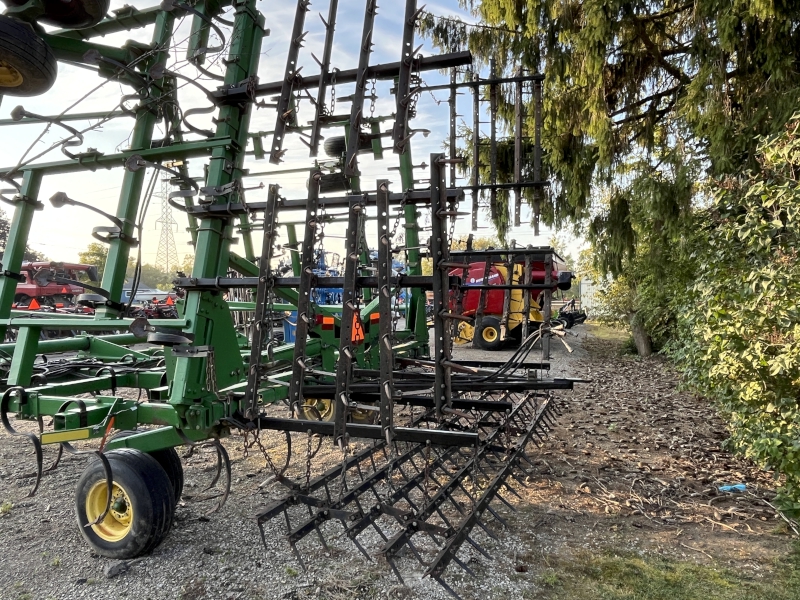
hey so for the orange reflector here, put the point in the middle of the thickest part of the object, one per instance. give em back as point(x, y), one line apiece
point(358, 330)
point(64, 290)
point(59, 305)
point(328, 323)
point(374, 317)
point(34, 305)
point(170, 301)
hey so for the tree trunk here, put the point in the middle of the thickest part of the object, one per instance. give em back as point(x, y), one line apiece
point(640, 337)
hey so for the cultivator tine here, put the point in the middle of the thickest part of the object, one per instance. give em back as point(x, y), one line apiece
point(37, 445)
point(57, 460)
point(109, 484)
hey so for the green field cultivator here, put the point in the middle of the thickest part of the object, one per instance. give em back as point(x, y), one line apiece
point(433, 470)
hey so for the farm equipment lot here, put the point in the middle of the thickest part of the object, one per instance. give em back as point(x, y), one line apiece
point(627, 477)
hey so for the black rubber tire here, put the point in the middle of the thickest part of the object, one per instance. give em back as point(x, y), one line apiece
point(151, 501)
point(570, 320)
point(490, 328)
point(70, 14)
point(168, 459)
point(32, 64)
point(336, 146)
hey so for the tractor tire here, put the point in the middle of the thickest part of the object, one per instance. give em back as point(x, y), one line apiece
point(70, 14)
point(142, 505)
point(168, 459)
point(27, 64)
point(335, 147)
point(487, 336)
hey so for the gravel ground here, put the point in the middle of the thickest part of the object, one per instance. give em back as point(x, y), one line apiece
point(620, 469)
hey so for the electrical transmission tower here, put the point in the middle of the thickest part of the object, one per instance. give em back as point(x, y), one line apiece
point(167, 257)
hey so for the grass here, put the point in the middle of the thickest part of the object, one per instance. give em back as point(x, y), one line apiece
point(615, 575)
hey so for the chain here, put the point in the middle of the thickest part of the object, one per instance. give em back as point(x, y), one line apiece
point(343, 476)
point(257, 440)
point(211, 373)
point(308, 461)
point(333, 90)
point(390, 474)
point(374, 96)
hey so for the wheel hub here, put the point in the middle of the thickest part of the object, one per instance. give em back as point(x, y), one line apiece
point(9, 76)
point(117, 523)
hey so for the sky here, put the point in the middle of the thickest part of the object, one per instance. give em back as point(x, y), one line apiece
point(62, 233)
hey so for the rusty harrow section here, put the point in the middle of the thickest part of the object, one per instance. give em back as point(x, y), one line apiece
point(405, 490)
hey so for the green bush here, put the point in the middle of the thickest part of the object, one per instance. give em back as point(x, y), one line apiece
point(741, 344)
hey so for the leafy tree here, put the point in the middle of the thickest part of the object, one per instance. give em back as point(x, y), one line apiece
point(30, 254)
point(95, 254)
point(742, 341)
point(152, 276)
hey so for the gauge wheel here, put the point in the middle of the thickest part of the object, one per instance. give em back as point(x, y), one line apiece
point(27, 64)
point(70, 14)
point(321, 409)
point(487, 336)
point(168, 459)
point(142, 504)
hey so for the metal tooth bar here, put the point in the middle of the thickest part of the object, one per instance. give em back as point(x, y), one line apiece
point(263, 294)
point(304, 291)
point(344, 366)
point(385, 309)
point(440, 249)
point(289, 79)
point(325, 63)
point(402, 96)
point(357, 105)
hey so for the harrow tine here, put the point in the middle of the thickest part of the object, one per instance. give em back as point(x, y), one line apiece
point(297, 555)
point(394, 569)
point(477, 547)
point(463, 565)
point(447, 588)
point(361, 549)
point(500, 519)
point(504, 501)
point(489, 532)
point(410, 544)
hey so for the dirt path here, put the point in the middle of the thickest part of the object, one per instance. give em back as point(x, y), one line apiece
point(629, 476)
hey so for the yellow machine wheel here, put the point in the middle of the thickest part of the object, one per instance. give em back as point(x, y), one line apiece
point(321, 409)
point(117, 524)
point(27, 64)
point(9, 76)
point(141, 510)
point(487, 336)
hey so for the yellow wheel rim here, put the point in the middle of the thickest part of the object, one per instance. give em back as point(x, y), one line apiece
point(490, 334)
point(9, 76)
point(317, 409)
point(324, 406)
point(119, 520)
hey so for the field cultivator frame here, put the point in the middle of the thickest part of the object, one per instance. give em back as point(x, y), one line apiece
point(351, 365)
